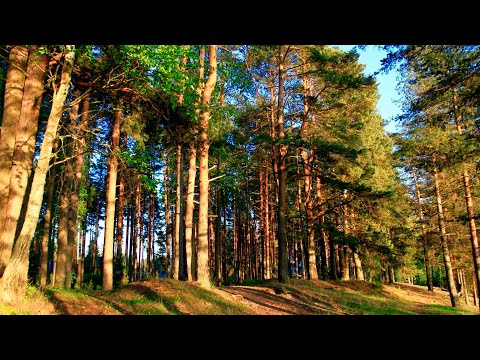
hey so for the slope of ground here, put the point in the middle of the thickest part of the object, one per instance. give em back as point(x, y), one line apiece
point(299, 297)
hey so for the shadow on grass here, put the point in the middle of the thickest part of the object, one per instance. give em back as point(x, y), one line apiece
point(57, 302)
point(261, 298)
point(151, 295)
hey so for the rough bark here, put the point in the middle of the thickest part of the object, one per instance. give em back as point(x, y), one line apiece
point(426, 257)
point(168, 226)
point(14, 89)
point(22, 160)
point(443, 242)
point(283, 263)
point(47, 225)
point(192, 170)
point(107, 277)
point(119, 231)
point(179, 233)
point(469, 201)
point(358, 267)
point(14, 280)
point(203, 272)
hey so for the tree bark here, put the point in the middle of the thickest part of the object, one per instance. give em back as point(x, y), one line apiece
point(119, 232)
point(443, 242)
point(192, 170)
point(14, 90)
point(179, 233)
point(469, 201)
point(107, 277)
point(202, 259)
point(168, 226)
point(283, 262)
point(22, 160)
point(14, 279)
point(426, 257)
point(47, 227)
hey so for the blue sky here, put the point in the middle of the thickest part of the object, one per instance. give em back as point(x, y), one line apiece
point(387, 83)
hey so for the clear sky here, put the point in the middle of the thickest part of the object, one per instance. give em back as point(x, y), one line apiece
point(387, 106)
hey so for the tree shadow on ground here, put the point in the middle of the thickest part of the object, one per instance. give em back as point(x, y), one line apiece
point(60, 308)
point(152, 295)
point(267, 300)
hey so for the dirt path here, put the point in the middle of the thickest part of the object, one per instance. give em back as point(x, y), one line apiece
point(265, 301)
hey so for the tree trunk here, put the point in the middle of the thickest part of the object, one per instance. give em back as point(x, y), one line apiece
point(358, 267)
point(443, 241)
point(333, 259)
point(75, 176)
point(426, 257)
point(218, 239)
point(168, 226)
point(107, 277)
point(47, 227)
point(177, 271)
point(22, 160)
point(202, 259)
point(14, 90)
point(14, 280)
point(391, 275)
point(192, 170)
point(119, 233)
point(151, 218)
point(283, 262)
point(468, 200)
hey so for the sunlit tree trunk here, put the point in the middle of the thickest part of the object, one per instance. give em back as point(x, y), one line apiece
point(443, 242)
point(179, 232)
point(192, 170)
point(22, 159)
point(202, 252)
point(469, 201)
point(47, 227)
point(14, 89)
point(281, 157)
point(14, 279)
point(168, 226)
point(307, 158)
point(119, 232)
point(107, 278)
point(426, 257)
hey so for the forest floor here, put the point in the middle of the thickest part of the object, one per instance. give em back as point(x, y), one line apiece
point(299, 297)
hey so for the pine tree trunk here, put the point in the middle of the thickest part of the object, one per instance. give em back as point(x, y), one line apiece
point(218, 239)
point(75, 177)
point(268, 238)
point(22, 159)
point(168, 226)
point(358, 267)
point(14, 90)
point(178, 237)
point(14, 280)
point(391, 275)
point(283, 262)
point(192, 170)
point(426, 257)
point(107, 277)
point(468, 200)
point(47, 227)
point(333, 259)
point(203, 270)
point(443, 241)
point(119, 232)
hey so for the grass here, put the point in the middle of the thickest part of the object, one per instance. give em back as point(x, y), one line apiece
point(171, 297)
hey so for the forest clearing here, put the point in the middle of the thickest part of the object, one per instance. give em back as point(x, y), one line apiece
point(238, 179)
